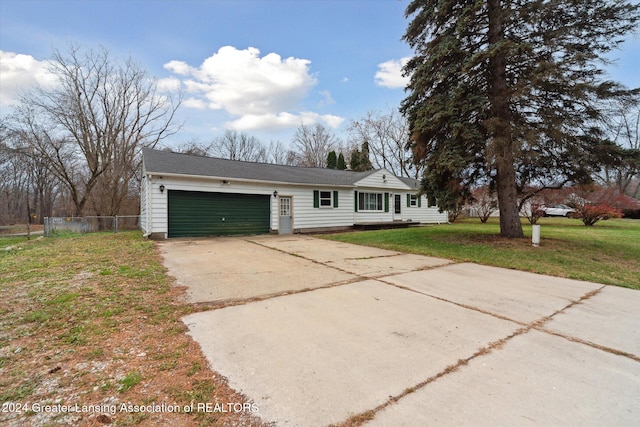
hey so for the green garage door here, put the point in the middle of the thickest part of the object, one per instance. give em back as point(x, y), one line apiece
point(196, 213)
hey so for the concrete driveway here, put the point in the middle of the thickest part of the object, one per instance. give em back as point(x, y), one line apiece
point(321, 332)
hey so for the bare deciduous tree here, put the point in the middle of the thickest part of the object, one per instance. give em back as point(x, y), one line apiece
point(484, 204)
point(312, 144)
point(278, 154)
point(91, 126)
point(234, 145)
point(28, 190)
point(387, 135)
point(626, 134)
point(193, 147)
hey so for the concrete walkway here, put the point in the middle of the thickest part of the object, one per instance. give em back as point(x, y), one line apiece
point(321, 332)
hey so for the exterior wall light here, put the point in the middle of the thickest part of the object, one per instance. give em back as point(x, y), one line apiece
point(162, 188)
point(275, 193)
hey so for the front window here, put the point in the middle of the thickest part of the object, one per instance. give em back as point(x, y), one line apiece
point(370, 201)
point(325, 199)
point(414, 200)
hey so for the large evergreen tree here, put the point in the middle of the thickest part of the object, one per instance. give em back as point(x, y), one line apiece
point(510, 93)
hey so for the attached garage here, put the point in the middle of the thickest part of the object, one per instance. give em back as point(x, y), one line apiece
point(197, 213)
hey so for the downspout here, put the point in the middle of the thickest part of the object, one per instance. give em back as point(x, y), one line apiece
point(147, 179)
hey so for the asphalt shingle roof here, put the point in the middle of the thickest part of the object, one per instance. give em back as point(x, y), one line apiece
point(160, 162)
point(411, 182)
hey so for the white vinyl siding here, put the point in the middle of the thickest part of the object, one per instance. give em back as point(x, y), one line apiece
point(335, 207)
point(305, 216)
point(421, 212)
point(382, 180)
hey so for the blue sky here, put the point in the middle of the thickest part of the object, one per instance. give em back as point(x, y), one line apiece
point(277, 63)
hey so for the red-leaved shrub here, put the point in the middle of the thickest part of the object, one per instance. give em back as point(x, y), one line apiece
point(535, 212)
point(590, 213)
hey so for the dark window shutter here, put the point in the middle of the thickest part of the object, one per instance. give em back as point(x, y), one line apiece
point(316, 198)
point(355, 201)
point(419, 201)
point(335, 199)
point(386, 202)
point(408, 200)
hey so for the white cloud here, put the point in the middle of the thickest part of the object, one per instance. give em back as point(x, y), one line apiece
point(263, 92)
point(198, 104)
point(168, 84)
point(331, 120)
point(20, 72)
point(389, 74)
point(327, 99)
point(283, 120)
point(242, 82)
point(179, 67)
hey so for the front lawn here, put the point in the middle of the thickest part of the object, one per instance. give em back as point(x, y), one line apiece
point(607, 253)
point(94, 321)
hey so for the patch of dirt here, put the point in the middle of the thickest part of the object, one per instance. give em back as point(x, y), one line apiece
point(486, 239)
point(132, 364)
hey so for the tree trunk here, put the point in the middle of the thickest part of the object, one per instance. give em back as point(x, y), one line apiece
point(499, 127)
point(510, 225)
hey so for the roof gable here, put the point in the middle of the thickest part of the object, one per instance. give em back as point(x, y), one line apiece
point(382, 178)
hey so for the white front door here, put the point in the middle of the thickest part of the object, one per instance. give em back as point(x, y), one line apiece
point(285, 225)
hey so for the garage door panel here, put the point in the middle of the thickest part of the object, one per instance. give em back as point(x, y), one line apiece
point(194, 213)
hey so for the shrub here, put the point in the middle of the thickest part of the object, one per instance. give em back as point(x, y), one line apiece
point(592, 213)
point(484, 203)
point(454, 213)
point(535, 212)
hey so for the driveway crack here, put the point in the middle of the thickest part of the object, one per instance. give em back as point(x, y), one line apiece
point(369, 415)
point(537, 325)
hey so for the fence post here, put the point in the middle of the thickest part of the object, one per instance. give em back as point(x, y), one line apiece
point(46, 226)
point(115, 224)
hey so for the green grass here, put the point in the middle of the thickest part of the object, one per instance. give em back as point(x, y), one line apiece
point(6, 242)
point(607, 253)
point(100, 308)
point(129, 381)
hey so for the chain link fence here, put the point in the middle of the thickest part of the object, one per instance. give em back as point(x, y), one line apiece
point(91, 224)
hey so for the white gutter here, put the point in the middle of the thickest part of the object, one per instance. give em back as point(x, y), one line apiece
point(253, 181)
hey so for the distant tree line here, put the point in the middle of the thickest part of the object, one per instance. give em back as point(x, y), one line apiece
point(378, 140)
point(74, 149)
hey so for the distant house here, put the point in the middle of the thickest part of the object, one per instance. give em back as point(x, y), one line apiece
point(185, 195)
